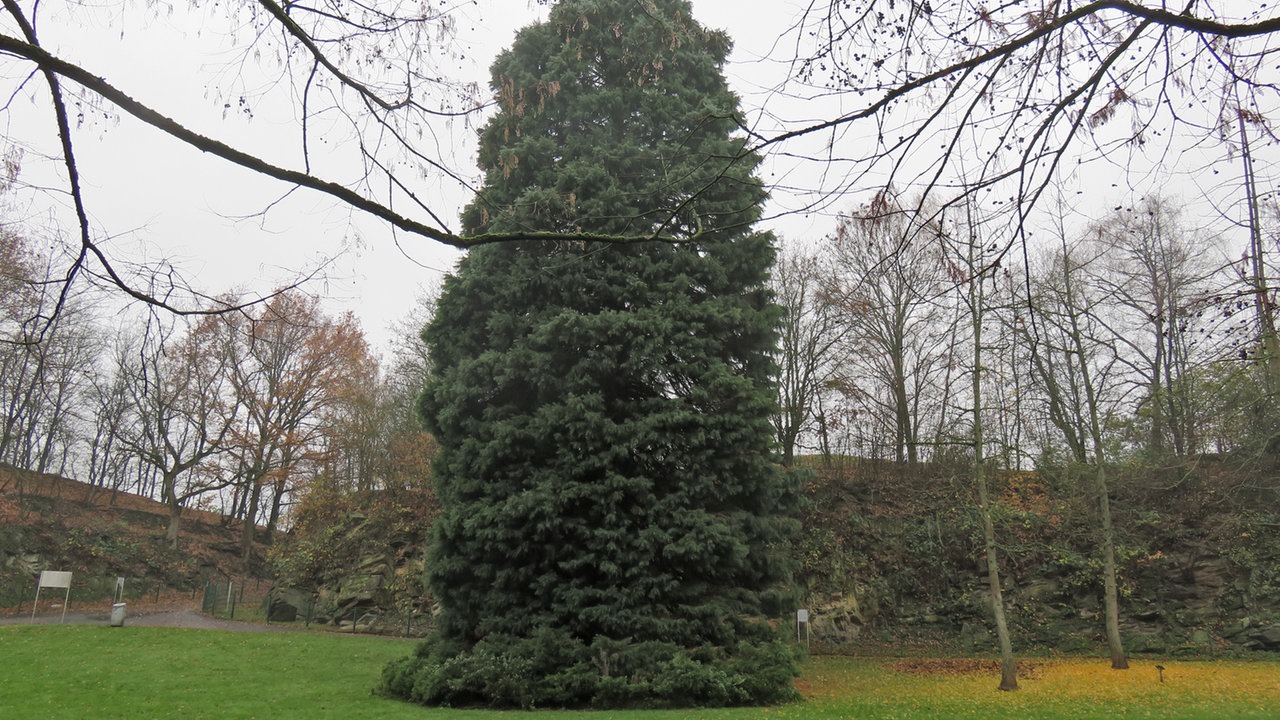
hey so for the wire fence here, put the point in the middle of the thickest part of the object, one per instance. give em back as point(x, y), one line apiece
point(244, 599)
point(260, 601)
point(88, 593)
point(237, 599)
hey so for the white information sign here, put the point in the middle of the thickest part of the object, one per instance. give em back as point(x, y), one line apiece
point(53, 579)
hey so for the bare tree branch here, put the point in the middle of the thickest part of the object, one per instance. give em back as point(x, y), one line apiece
point(56, 67)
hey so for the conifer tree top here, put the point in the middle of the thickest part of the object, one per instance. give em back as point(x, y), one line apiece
point(614, 119)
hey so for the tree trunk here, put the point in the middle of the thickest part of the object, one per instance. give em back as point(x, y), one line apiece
point(175, 521)
point(238, 495)
point(249, 528)
point(169, 492)
point(1111, 593)
point(907, 450)
point(1268, 338)
point(1008, 668)
point(277, 503)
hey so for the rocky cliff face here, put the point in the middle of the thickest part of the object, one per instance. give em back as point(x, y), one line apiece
point(887, 557)
point(356, 562)
point(896, 556)
point(890, 558)
point(378, 588)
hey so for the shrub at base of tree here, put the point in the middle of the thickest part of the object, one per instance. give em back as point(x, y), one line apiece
point(552, 669)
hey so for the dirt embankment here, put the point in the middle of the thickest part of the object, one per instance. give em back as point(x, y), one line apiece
point(49, 522)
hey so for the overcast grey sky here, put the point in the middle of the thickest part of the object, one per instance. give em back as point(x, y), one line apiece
point(227, 228)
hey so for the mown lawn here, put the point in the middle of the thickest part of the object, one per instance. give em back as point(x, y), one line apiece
point(75, 672)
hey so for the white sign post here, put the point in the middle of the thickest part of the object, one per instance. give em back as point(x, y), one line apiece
point(802, 627)
point(53, 579)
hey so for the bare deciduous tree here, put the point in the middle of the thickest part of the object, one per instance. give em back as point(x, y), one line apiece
point(809, 338)
point(44, 354)
point(886, 279)
point(1077, 365)
point(178, 381)
point(1157, 275)
point(108, 463)
point(967, 251)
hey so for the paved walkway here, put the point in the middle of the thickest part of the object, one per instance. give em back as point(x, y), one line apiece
point(180, 618)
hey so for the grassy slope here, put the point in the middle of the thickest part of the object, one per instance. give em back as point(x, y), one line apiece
point(73, 672)
point(101, 535)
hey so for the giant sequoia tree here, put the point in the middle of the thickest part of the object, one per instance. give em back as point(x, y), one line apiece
point(609, 483)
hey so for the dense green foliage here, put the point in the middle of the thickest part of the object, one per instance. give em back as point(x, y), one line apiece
point(609, 488)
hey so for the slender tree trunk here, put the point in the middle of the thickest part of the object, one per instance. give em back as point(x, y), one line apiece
point(249, 528)
point(1110, 589)
point(789, 436)
point(146, 481)
point(824, 431)
point(1156, 390)
point(1008, 667)
point(903, 451)
point(237, 500)
point(1111, 594)
point(1262, 297)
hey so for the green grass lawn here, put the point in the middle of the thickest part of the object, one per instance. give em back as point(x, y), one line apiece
point(76, 672)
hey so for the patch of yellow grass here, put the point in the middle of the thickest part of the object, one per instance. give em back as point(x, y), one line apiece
point(1075, 688)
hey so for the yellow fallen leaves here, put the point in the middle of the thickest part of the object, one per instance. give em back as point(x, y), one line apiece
point(1076, 688)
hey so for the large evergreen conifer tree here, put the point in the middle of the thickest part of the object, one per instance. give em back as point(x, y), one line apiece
point(611, 524)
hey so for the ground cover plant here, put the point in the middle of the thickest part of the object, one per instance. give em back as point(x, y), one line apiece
point(71, 672)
